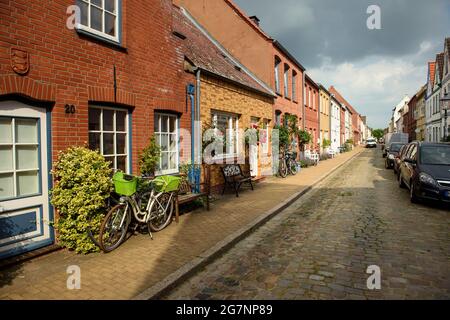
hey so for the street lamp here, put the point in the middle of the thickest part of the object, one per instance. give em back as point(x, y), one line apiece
point(446, 106)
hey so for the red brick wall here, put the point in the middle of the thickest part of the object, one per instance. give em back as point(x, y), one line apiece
point(287, 104)
point(312, 112)
point(342, 126)
point(67, 68)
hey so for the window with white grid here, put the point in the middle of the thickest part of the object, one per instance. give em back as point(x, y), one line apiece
point(166, 133)
point(100, 17)
point(227, 125)
point(108, 133)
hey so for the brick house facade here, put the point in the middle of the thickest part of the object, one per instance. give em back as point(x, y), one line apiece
point(325, 115)
point(230, 99)
point(311, 123)
point(85, 86)
point(261, 55)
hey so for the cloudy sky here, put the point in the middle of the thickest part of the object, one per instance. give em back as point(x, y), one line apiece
point(373, 69)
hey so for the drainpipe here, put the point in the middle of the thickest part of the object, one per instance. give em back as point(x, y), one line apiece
point(197, 119)
point(192, 101)
point(329, 114)
point(303, 102)
point(303, 110)
point(319, 116)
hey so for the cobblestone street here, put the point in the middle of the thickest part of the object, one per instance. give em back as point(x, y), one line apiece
point(321, 246)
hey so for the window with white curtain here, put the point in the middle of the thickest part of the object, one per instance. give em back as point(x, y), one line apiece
point(227, 125)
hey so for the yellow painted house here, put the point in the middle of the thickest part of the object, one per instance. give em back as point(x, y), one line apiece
point(324, 122)
point(419, 115)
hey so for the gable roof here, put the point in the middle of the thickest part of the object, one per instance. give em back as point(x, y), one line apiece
point(247, 19)
point(204, 52)
point(342, 100)
point(447, 45)
point(258, 29)
point(440, 65)
point(311, 81)
point(431, 70)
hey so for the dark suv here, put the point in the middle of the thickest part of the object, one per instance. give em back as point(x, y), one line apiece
point(392, 152)
point(425, 170)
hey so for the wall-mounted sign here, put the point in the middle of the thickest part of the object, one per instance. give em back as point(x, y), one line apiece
point(20, 61)
point(70, 108)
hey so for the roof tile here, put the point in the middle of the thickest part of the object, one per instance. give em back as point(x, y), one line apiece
point(206, 55)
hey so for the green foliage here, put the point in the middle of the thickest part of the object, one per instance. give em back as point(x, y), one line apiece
point(349, 141)
point(304, 137)
point(304, 164)
point(326, 143)
point(149, 158)
point(251, 135)
point(82, 185)
point(283, 133)
point(378, 133)
point(347, 146)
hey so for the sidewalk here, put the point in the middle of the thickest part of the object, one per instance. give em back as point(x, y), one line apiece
point(140, 262)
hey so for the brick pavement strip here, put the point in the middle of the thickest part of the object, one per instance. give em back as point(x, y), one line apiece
point(174, 252)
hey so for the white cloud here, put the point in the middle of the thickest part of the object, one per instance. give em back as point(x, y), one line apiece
point(374, 85)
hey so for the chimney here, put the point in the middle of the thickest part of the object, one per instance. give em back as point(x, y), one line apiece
point(255, 20)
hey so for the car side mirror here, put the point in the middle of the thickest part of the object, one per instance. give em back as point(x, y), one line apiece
point(411, 161)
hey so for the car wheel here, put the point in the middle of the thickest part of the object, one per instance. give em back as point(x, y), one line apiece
point(401, 184)
point(412, 194)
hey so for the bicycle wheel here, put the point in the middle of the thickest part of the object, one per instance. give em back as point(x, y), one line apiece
point(292, 166)
point(114, 227)
point(161, 211)
point(282, 169)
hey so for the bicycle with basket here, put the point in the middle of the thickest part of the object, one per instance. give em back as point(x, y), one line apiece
point(152, 207)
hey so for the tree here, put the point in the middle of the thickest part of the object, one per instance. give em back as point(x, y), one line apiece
point(378, 133)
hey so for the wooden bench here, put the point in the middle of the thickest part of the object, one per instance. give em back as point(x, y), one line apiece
point(186, 193)
point(234, 177)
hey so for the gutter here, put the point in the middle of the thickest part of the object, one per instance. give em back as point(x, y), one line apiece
point(303, 102)
point(197, 117)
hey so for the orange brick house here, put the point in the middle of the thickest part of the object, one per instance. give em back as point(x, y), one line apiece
point(260, 54)
point(231, 100)
point(311, 120)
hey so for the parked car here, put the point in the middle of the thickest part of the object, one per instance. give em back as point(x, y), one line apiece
point(399, 158)
point(371, 143)
point(425, 171)
point(394, 150)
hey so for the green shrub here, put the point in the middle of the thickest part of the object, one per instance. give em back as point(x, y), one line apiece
point(283, 134)
point(82, 185)
point(304, 164)
point(326, 143)
point(149, 158)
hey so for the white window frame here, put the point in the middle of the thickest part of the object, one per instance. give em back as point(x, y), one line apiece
point(158, 135)
point(277, 75)
point(14, 170)
point(102, 34)
point(286, 80)
point(232, 117)
point(114, 131)
point(294, 86)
